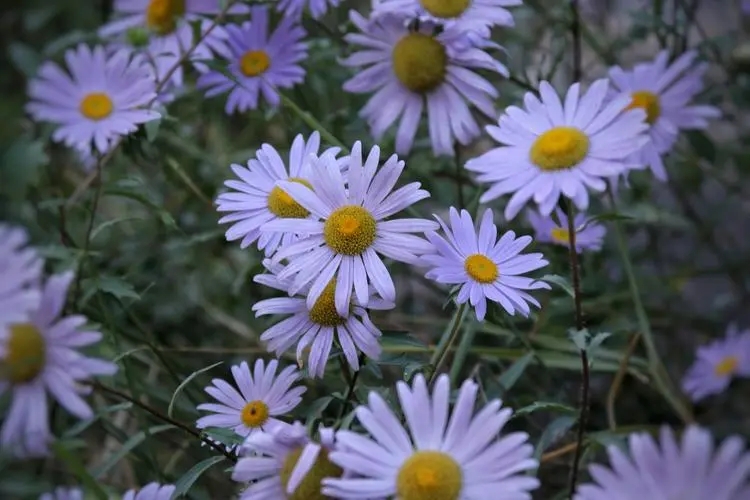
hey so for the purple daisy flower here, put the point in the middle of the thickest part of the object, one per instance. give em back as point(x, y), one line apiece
point(294, 8)
point(152, 491)
point(589, 235)
point(103, 98)
point(553, 149)
point(465, 15)
point(62, 493)
point(485, 267)
point(717, 363)
point(259, 62)
point(20, 277)
point(285, 464)
point(664, 92)
point(263, 396)
point(256, 199)
point(456, 455)
point(352, 229)
point(691, 469)
point(411, 71)
point(41, 356)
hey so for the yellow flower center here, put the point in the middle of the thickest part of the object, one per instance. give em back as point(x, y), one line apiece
point(323, 312)
point(445, 9)
point(254, 414)
point(282, 205)
point(96, 106)
point(560, 235)
point(649, 102)
point(254, 62)
point(429, 475)
point(481, 268)
point(350, 230)
point(726, 366)
point(419, 62)
point(26, 354)
point(162, 15)
point(559, 148)
point(309, 487)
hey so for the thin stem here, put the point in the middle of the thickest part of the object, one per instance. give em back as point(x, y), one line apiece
point(575, 31)
point(312, 122)
point(459, 177)
point(614, 389)
point(350, 391)
point(442, 353)
point(87, 240)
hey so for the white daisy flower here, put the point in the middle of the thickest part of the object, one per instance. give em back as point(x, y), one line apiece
point(664, 91)
point(485, 267)
point(444, 456)
point(285, 464)
point(262, 397)
point(345, 244)
point(552, 149)
point(256, 199)
point(314, 329)
point(20, 275)
point(41, 356)
point(152, 491)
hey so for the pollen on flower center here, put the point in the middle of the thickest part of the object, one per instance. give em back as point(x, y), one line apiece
point(649, 102)
point(445, 9)
point(480, 268)
point(350, 230)
point(309, 487)
point(282, 205)
point(429, 475)
point(254, 414)
point(560, 235)
point(323, 312)
point(419, 62)
point(726, 366)
point(254, 62)
point(26, 354)
point(162, 15)
point(96, 106)
point(559, 148)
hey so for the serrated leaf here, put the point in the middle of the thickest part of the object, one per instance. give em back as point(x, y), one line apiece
point(185, 382)
point(224, 436)
point(111, 285)
point(186, 481)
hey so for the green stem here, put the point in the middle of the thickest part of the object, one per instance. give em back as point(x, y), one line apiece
point(449, 337)
point(462, 351)
point(313, 123)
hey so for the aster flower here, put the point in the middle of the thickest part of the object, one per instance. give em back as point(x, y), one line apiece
point(485, 267)
point(353, 229)
point(256, 199)
point(551, 149)
point(589, 235)
point(294, 8)
point(315, 328)
point(262, 396)
point(466, 15)
point(664, 91)
point(690, 469)
point(444, 455)
point(717, 363)
point(20, 274)
point(152, 491)
point(259, 62)
point(101, 99)
point(285, 464)
point(40, 356)
point(62, 493)
point(410, 70)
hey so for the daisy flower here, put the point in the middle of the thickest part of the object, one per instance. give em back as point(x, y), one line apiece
point(353, 229)
point(467, 15)
point(411, 70)
point(101, 99)
point(62, 493)
point(717, 363)
point(313, 329)
point(689, 469)
point(256, 199)
point(443, 455)
point(294, 8)
point(259, 62)
point(664, 91)
point(152, 491)
point(285, 464)
point(589, 235)
point(20, 275)
point(553, 149)
point(485, 267)
point(262, 396)
point(40, 356)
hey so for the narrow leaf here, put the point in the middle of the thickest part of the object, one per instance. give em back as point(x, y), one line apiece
point(185, 383)
point(184, 483)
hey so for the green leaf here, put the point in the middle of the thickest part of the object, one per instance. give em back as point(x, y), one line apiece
point(165, 217)
point(184, 483)
point(510, 376)
point(24, 58)
point(560, 281)
point(85, 424)
point(395, 339)
point(553, 432)
point(127, 447)
point(186, 382)
point(316, 409)
point(701, 144)
point(111, 285)
point(21, 166)
point(222, 435)
point(152, 129)
point(544, 406)
point(73, 462)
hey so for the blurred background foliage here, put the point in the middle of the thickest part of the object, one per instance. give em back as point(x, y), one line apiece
point(173, 297)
